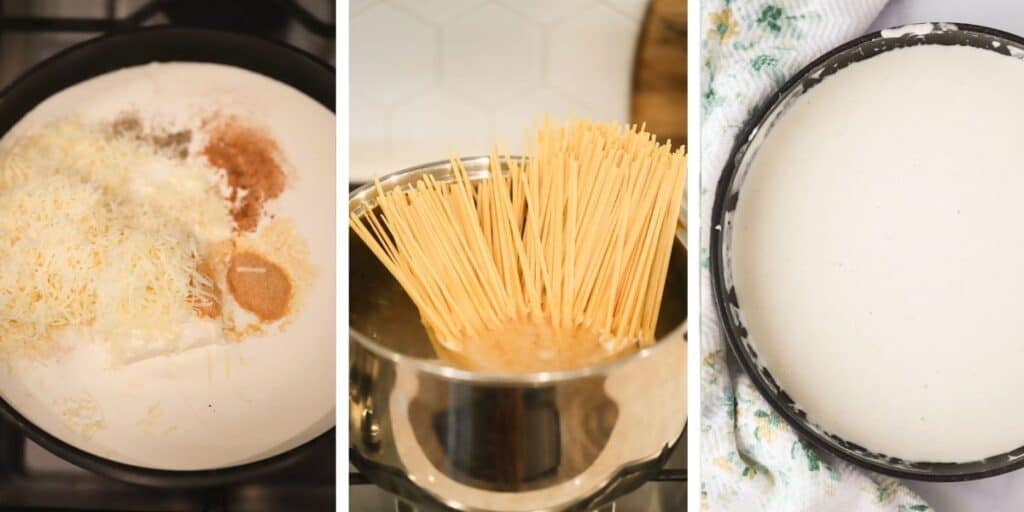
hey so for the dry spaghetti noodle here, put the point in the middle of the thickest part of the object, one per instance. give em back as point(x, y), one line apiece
point(551, 262)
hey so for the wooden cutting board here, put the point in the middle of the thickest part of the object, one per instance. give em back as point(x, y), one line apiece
point(659, 72)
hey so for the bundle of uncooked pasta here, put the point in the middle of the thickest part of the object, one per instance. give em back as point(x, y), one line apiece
point(553, 261)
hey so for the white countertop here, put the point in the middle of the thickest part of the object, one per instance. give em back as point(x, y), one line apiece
point(1006, 492)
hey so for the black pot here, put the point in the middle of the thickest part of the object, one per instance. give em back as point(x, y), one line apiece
point(724, 209)
point(101, 55)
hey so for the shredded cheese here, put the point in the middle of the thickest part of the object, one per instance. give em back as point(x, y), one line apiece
point(89, 237)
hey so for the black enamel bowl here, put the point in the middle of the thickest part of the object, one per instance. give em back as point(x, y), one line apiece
point(102, 55)
point(727, 194)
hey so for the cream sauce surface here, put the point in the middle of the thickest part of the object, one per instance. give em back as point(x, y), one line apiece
point(877, 259)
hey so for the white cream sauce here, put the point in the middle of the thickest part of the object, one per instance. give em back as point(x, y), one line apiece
point(220, 404)
point(878, 261)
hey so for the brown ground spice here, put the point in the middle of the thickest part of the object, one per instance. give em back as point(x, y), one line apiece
point(250, 158)
point(175, 144)
point(259, 285)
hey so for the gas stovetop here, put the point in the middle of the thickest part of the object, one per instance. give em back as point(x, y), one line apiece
point(666, 493)
point(32, 478)
point(32, 30)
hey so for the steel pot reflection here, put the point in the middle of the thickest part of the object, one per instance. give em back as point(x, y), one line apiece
point(442, 437)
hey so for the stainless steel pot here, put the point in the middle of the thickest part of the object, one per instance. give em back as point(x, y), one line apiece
point(442, 437)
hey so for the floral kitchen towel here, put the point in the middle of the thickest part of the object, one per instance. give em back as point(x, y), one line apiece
point(750, 458)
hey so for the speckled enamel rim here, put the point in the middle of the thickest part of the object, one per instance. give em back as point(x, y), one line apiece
point(88, 59)
point(722, 215)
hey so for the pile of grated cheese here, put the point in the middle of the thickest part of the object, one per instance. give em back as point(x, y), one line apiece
point(102, 233)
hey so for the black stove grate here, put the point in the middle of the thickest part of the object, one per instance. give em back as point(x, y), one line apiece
point(309, 484)
point(258, 17)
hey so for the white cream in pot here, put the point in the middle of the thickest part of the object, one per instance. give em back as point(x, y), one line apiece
point(878, 259)
point(220, 404)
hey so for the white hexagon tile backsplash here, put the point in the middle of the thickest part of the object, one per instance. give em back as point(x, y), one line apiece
point(429, 77)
